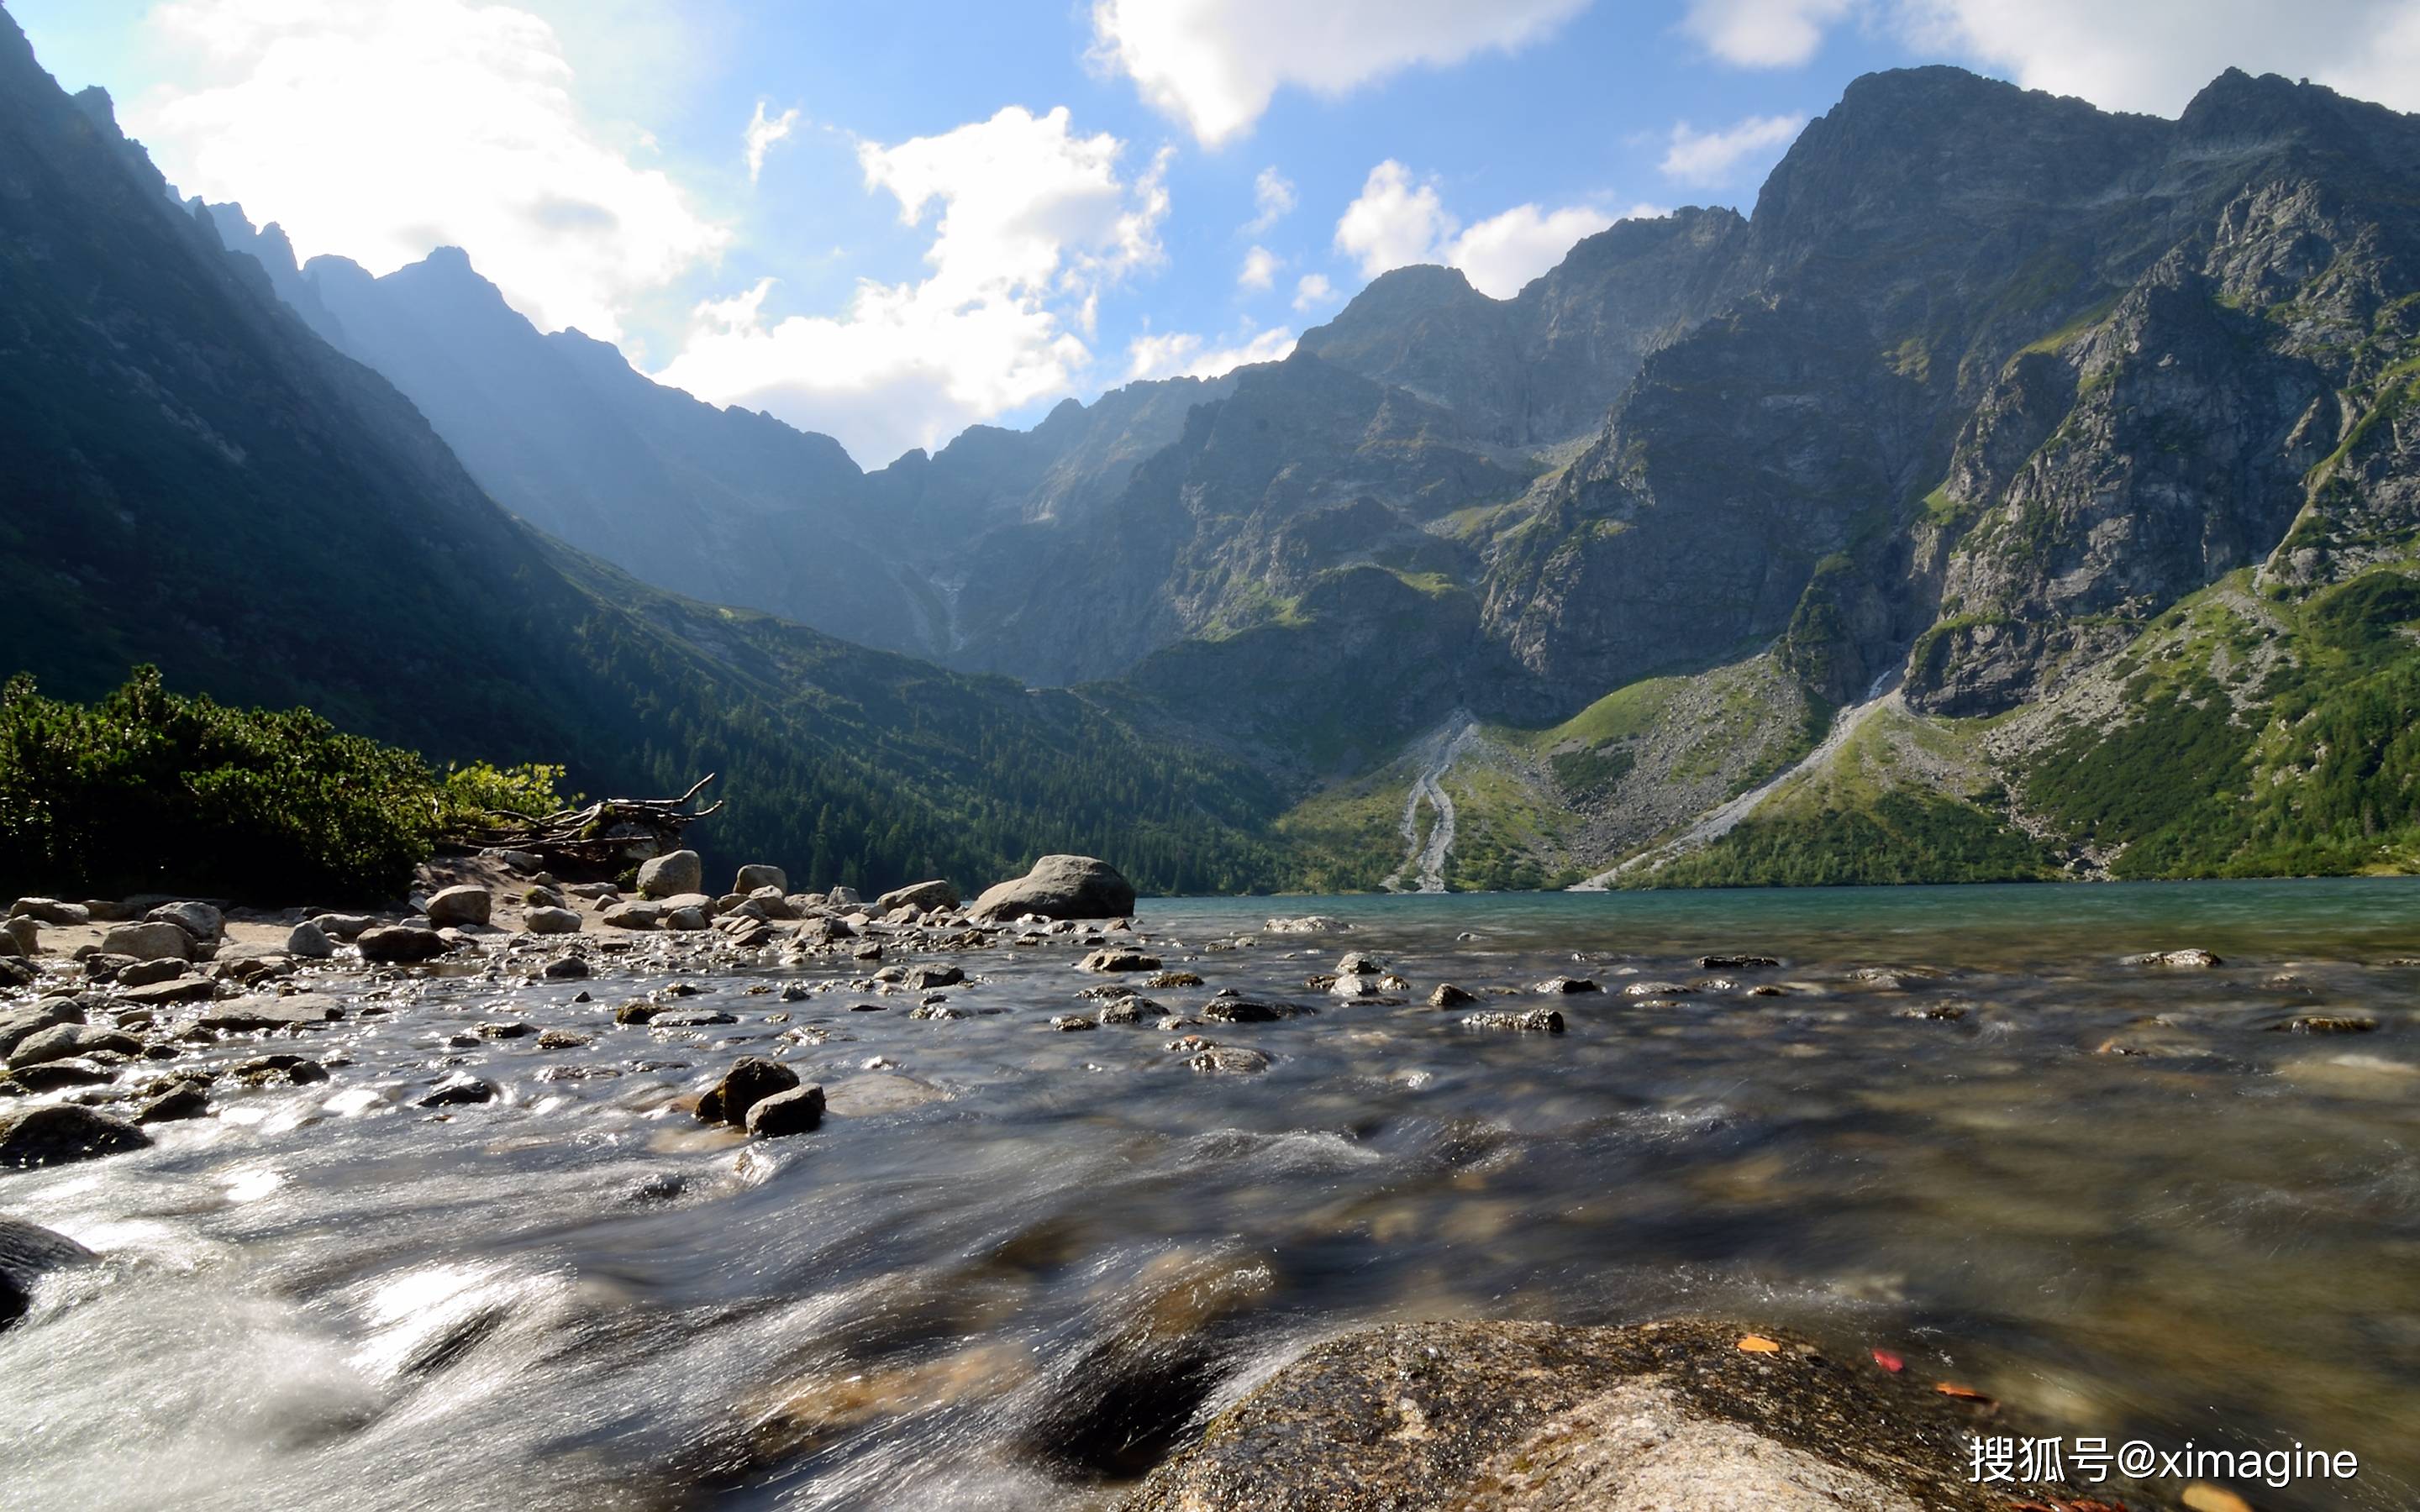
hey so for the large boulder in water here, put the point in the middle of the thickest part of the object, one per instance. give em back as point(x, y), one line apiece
point(1526, 1417)
point(55, 1133)
point(1060, 887)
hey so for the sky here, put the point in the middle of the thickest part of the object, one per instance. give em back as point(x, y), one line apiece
point(888, 222)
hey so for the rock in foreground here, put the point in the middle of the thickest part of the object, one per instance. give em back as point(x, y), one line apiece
point(1060, 887)
point(1525, 1417)
point(55, 1133)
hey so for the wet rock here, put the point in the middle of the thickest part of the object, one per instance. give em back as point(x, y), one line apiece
point(2325, 1024)
point(508, 1030)
point(925, 978)
point(50, 911)
point(1449, 995)
point(562, 1039)
point(1533, 1020)
point(937, 1011)
point(798, 1110)
point(200, 920)
point(186, 1099)
point(143, 973)
point(670, 874)
point(633, 914)
point(565, 968)
point(1735, 962)
point(18, 1024)
point(1163, 980)
point(16, 973)
point(637, 1010)
point(175, 990)
point(151, 940)
point(29, 1252)
point(1060, 887)
point(451, 907)
point(1525, 1417)
point(461, 1090)
point(1116, 959)
point(923, 897)
point(2193, 957)
point(62, 1042)
point(49, 1076)
point(1307, 924)
point(546, 919)
point(1131, 1011)
point(749, 1081)
point(1249, 1011)
point(1073, 1023)
point(1566, 986)
point(759, 877)
point(55, 1133)
point(20, 937)
point(691, 1018)
point(1227, 1060)
point(401, 944)
point(276, 1069)
point(302, 1010)
point(1359, 964)
point(1654, 989)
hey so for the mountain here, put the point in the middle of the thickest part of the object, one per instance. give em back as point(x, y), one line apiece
point(198, 480)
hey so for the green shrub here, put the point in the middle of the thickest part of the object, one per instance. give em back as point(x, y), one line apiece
point(480, 794)
point(146, 791)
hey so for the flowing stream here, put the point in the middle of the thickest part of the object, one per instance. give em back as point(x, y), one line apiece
point(1016, 1265)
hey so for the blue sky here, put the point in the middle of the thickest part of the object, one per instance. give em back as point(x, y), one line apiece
point(964, 212)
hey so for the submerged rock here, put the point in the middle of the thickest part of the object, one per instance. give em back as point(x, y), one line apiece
point(1307, 924)
point(2194, 957)
point(1735, 962)
point(1449, 996)
point(1566, 986)
point(55, 1133)
point(1526, 1417)
point(1534, 1020)
point(457, 1090)
point(28, 1252)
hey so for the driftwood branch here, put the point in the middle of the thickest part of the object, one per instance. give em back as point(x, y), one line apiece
point(610, 833)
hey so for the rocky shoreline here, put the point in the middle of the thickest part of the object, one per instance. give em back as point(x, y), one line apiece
point(122, 1018)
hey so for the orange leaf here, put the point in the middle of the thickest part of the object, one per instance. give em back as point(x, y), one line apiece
point(1890, 1362)
point(2203, 1497)
point(1963, 1394)
point(1759, 1344)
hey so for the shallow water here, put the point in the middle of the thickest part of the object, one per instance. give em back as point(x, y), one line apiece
point(1015, 1265)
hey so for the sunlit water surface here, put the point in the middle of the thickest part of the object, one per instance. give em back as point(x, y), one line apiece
point(1016, 1264)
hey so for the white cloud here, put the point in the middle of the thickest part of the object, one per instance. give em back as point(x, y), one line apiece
point(1709, 158)
point(1182, 354)
point(1215, 64)
point(1033, 221)
point(2156, 54)
point(1259, 269)
point(1504, 252)
point(381, 129)
point(1398, 220)
point(1312, 290)
point(1394, 223)
point(762, 133)
point(1273, 200)
point(2141, 56)
point(1763, 34)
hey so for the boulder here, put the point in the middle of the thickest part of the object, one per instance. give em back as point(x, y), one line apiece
point(302, 1010)
point(20, 937)
point(1449, 996)
point(1526, 1417)
point(461, 1090)
point(688, 920)
point(186, 1099)
point(49, 910)
point(843, 898)
point(151, 940)
point(309, 941)
point(670, 874)
point(15, 972)
point(567, 968)
point(23, 1024)
point(347, 927)
point(749, 1081)
point(797, 1111)
point(922, 896)
point(144, 973)
point(54, 1133)
point(201, 920)
point(394, 943)
point(551, 921)
point(452, 908)
point(752, 878)
point(925, 979)
point(633, 914)
point(1060, 887)
point(1115, 959)
point(175, 990)
point(62, 1042)
point(28, 1252)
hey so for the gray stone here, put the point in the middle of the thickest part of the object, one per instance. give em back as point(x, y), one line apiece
point(49, 910)
point(61, 1041)
point(633, 914)
point(753, 878)
point(346, 927)
point(1449, 996)
point(401, 943)
point(1535, 1417)
point(186, 1099)
point(302, 1010)
point(20, 1025)
point(309, 941)
point(796, 1111)
point(551, 921)
point(54, 1133)
point(452, 908)
point(1530, 1021)
point(175, 990)
point(1566, 986)
point(460, 1089)
point(920, 896)
point(1117, 959)
point(201, 920)
point(925, 979)
point(749, 1081)
point(1060, 887)
point(49, 1076)
point(687, 920)
point(670, 874)
point(143, 973)
point(567, 968)
point(22, 936)
point(151, 940)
